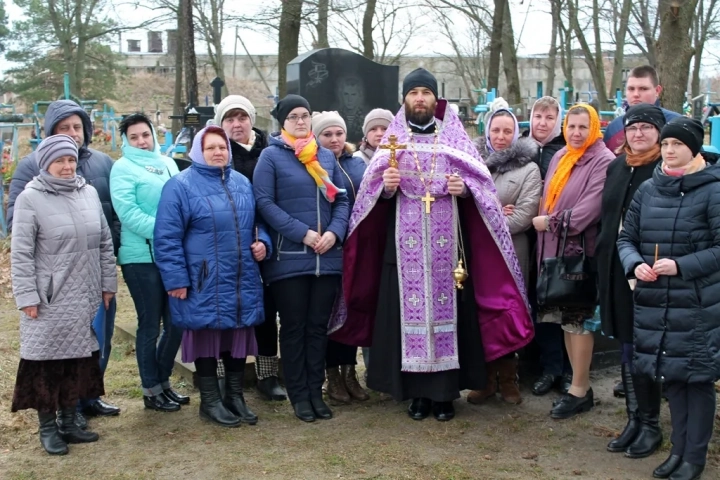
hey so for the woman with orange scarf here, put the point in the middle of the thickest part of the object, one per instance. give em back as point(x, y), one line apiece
point(639, 156)
point(296, 193)
point(574, 185)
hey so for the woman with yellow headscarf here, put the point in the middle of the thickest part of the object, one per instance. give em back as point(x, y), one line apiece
point(573, 188)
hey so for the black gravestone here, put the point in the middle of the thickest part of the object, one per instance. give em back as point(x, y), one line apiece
point(340, 80)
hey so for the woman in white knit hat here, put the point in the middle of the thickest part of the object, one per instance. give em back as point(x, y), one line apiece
point(236, 115)
point(340, 359)
point(376, 122)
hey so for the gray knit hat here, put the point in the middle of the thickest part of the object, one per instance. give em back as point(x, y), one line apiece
point(377, 117)
point(54, 147)
point(323, 120)
point(234, 102)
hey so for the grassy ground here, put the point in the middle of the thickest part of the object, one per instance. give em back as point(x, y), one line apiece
point(373, 440)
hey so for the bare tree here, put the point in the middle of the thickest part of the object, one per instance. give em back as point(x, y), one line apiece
point(621, 19)
point(209, 20)
point(383, 29)
point(496, 40)
point(704, 27)
point(510, 61)
point(177, 97)
point(322, 25)
point(594, 60)
point(470, 46)
point(289, 39)
point(565, 33)
point(674, 50)
point(190, 61)
point(552, 54)
point(643, 29)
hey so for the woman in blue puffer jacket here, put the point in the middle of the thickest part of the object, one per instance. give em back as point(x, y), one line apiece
point(298, 192)
point(207, 246)
point(340, 359)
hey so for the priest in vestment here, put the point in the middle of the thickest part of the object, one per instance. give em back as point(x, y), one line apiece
point(409, 228)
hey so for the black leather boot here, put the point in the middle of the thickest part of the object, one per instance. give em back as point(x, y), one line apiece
point(211, 405)
point(687, 471)
point(50, 437)
point(665, 469)
point(648, 392)
point(69, 430)
point(632, 429)
point(234, 399)
point(270, 389)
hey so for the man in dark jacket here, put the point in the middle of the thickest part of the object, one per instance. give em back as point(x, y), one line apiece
point(236, 115)
point(69, 118)
point(642, 87)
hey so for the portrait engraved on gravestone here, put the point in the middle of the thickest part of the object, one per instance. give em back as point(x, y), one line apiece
point(333, 79)
point(351, 93)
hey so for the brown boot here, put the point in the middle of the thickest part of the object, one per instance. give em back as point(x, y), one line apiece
point(476, 397)
point(336, 386)
point(509, 388)
point(349, 376)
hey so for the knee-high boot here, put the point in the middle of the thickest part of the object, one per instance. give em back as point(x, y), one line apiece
point(50, 437)
point(211, 405)
point(632, 429)
point(648, 393)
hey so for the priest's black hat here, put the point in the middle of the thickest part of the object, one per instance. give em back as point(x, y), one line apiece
point(420, 78)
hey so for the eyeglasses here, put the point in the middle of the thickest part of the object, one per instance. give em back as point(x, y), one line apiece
point(632, 130)
point(294, 118)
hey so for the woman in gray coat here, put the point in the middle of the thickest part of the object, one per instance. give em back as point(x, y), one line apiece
point(63, 267)
point(510, 160)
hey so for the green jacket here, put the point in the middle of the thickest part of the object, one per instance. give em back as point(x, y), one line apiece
point(136, 182)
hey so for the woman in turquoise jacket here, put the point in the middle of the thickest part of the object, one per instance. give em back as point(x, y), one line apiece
point(136, 182)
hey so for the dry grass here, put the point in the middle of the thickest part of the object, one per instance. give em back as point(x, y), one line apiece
point(373, 440)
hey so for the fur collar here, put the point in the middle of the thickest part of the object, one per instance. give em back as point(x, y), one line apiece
point(519, 154)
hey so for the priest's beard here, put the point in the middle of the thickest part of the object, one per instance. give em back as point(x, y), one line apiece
point(420, 117)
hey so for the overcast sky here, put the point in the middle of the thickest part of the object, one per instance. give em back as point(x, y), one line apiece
point(531, 23)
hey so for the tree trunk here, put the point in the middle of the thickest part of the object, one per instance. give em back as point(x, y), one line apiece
point(552, 54)
point(188, 39)
point(620, 35)
point(367, 30)
point(674, 51)
point(566, 54)
point(178, 105)
point(217, 38)
point(496, 40)
point(595, 61)
point(288, 40)
point(322, 26)
point(509, 59)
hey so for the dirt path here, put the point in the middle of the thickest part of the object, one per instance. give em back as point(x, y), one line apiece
point(374, 440)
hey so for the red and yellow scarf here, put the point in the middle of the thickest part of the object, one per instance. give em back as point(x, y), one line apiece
point(306, 150)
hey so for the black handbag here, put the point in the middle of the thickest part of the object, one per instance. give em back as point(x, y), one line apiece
point(567, 281)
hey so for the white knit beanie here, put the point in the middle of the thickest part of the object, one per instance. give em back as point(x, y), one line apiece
point(377, 117)
point(233, 102)
point(323, 120)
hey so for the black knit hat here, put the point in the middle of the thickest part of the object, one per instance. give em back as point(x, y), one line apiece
point(287, 105)
point(645, 113)
point(687, 130)
point(420, 78)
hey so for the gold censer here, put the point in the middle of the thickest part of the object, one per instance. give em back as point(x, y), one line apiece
point(460, 275)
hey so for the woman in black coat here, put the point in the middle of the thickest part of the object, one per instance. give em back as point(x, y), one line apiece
point(639, 155)
point(671, 244)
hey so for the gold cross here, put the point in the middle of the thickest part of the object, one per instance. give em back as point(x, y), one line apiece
point(428, 200)
point(393, 146)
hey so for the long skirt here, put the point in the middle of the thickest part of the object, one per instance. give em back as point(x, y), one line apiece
point(208, 343)
point(51, 385)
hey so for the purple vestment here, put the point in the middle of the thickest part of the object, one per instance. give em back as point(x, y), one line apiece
point(427, 252)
